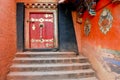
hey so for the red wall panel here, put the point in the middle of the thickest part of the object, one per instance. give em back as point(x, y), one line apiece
point(7, 35)
point(77, 29)
point(101, 49)
point(93, 44)
point(96, 37)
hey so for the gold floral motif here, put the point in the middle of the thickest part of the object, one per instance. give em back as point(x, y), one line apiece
point(48, 45)
point(33, 27)
point(32, 40)
point(40, 20)
point(48, 15)
point(41, 40)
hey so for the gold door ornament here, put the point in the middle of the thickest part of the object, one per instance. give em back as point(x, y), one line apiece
point(87, 27)
point(40, 20)
point(42, 40)
point(105, 21)
point(41, 25)
point(48, 15)
point(33, 27)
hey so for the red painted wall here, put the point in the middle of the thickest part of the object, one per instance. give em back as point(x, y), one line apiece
point(77, 31)
point(111, 39)
point(7, 35)
point(101, 49)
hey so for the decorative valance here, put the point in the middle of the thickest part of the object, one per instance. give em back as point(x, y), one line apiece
point(41, 5)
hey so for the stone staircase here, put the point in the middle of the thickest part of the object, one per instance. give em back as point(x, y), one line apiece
point(50, 66)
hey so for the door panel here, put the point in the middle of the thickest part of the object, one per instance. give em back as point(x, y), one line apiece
point(41, 30)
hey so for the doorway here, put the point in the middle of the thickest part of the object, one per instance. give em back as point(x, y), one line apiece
point(40, 29)
point(33, 28)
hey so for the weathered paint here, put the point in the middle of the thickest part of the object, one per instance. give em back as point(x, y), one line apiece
point(111, 59)
point(93, 45)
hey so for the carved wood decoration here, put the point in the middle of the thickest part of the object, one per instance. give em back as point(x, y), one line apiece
point(80, 10)
point(87, 27)
point(105, 21)
point(90, 5)
point(86, 5)
point(81, 6)
point(41, 5)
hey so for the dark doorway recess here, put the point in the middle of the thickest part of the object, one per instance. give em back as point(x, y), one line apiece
point(20, 26)
point(66, 34)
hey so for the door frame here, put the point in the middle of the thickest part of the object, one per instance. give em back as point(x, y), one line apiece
point(26, 28)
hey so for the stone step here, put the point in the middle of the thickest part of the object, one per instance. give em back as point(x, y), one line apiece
point(46, 54)
point(51, 75)
point(90, 78)
point(49, 67)
point(78, 59)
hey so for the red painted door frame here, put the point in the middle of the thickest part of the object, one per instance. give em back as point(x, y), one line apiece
point(41, 29)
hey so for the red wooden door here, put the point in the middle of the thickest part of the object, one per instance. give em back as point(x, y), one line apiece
point(41, 30)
